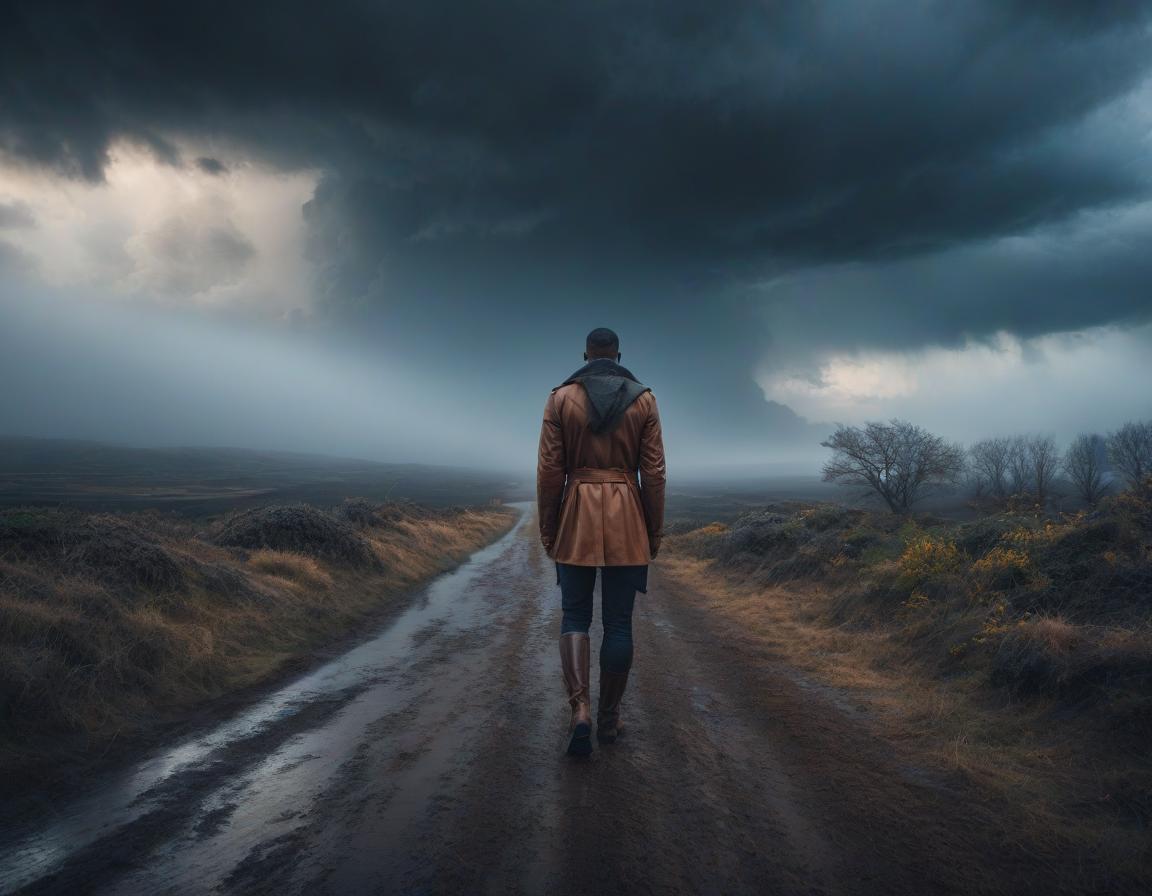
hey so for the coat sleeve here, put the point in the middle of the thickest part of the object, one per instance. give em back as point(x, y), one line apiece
point(652, 474)
point(550, 474)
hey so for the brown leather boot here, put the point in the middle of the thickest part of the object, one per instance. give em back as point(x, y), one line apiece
point(574, 652)
point(612, 686)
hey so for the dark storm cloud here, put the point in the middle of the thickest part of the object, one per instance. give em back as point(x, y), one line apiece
point(1061, 278)
point(713, 133)
point(502, 176)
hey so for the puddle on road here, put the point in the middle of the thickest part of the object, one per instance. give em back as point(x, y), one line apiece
point(363, 684)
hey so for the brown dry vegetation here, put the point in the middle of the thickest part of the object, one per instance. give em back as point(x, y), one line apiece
point(1015, 650)
point(110, 623)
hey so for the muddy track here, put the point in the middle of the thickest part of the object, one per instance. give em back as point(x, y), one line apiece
point(428, 760)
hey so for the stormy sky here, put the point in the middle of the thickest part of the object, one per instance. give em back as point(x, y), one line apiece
point(383, 229)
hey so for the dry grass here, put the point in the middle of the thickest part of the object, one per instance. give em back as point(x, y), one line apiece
point(1016, 651)
point(109, 624)
point(296, 568)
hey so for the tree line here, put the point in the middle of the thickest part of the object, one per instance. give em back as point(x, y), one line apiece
point(901, 462)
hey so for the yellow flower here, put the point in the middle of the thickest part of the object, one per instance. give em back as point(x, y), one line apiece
point(927, 557)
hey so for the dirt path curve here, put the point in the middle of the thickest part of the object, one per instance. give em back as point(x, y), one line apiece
point(428, 760)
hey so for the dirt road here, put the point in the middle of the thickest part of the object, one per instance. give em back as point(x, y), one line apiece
point(429, 760)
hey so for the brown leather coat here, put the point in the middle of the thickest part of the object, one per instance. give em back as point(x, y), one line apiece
point(593, 510)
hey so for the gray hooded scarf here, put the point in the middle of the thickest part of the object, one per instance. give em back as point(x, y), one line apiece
point(611, 389)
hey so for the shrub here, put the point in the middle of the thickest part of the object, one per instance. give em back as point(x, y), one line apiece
point(758, 533)
point(1053, 656)
point(359, 512)
point(120, 553)
point(1134, 505)
point(827, 517)
point(979, 537)
point(34, 532)
point(807, 561)
point(927, 557)
point(1002, 568)
point(859, 543)
point(297, 528)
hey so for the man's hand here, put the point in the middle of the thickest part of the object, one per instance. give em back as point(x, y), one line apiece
point(547, 542)
point(653, 546)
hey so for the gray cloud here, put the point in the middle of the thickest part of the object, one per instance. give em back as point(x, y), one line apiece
point(211, 166)
point(16, 215)
point(187, 255)
point(13, 262)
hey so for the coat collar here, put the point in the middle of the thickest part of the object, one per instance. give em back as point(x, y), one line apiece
point(600, 367)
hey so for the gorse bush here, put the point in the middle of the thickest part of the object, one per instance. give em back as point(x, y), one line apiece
point(927, 558)
point(1002, 568)
point(1134, 505)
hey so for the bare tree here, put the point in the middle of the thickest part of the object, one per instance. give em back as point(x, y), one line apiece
point(974, 483)
point(1084, 465)
point(1032, 463)
point(1019, 466)
point(1044, 459)
point(897, 460)
point(989, 459)
point(1130, 451)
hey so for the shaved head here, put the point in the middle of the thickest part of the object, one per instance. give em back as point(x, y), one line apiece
point(602, 343)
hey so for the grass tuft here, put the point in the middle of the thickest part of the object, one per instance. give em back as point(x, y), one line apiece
point(298, 568)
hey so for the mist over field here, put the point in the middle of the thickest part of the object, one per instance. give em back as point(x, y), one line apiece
point(387, 236)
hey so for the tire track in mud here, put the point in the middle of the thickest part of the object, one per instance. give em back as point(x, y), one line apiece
point(499, 838)
point(666, 809)
point(398, 845)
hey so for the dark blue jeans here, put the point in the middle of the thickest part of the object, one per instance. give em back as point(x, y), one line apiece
point(618, 587)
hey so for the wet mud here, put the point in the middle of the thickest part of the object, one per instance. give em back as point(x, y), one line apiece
point(429, 759)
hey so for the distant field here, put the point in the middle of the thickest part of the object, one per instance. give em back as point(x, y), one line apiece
point(697, 502)
point(205, 481)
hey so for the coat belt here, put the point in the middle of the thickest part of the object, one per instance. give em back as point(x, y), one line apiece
point(595, 474)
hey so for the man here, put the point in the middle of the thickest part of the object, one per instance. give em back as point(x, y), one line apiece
point(601, 428)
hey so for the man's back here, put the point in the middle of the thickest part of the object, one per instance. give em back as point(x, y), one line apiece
point(593, 511)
